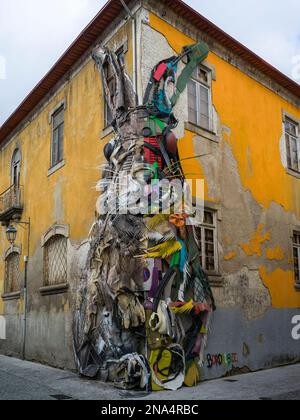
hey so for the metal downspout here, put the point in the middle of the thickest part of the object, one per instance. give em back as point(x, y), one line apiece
point(134, 46)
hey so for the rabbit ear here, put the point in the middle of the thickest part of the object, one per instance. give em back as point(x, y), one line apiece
point(118, 87)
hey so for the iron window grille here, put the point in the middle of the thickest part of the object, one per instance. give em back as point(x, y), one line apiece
point(55, 261)
point(12, 273)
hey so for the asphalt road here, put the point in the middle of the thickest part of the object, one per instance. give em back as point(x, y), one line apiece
point(21, 380)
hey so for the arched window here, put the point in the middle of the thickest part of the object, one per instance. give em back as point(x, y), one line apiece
point(16, 168)
point(55, 260)
point(12, 273)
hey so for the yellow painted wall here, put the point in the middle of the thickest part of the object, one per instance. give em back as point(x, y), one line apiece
point(69, 195)
point(281, 285)
point(253, 113)
point(191, 168)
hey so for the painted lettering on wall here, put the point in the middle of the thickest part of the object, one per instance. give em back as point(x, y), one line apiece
point(296, 329)
point(224, 359)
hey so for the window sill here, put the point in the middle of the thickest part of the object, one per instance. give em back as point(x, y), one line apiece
point(11, 296)
point(56, 289)
point(106, 132)
point(293, 173)
point(56, 167)
point(215, 279)
point(209, 135)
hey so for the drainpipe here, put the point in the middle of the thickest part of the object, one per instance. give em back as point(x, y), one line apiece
point(26, 261)
point(25, 308)
point(134, 46)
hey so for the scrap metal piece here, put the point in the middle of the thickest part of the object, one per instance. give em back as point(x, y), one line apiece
point(196, 55)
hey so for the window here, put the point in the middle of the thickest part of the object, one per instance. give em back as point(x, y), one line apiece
point(296, 253)
point(55, 261)
point(57, 148)
point(111, 83)
point(16, 168)
point(199, 98)
point(112, 90)
point(292, 145)
point(207, 239)
point(12, 273)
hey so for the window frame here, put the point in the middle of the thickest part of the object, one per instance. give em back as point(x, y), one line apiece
point(54, 129)
point(207, 85)
point(288, 139)
point(7, 283)
point(16, 167)
point(296, 246)
point(46, 277)
point(107, 111)
point(202, 228)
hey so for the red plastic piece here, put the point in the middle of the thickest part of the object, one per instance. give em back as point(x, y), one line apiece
point(160, 71)
point(172, 143)
point(151, 157)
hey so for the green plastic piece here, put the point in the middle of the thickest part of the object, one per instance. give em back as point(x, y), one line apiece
point(196, 56)
point(155, 122)
point(175, 262)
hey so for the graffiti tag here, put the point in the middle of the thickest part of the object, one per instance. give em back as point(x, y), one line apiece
point(225, 359)
point(296, 329)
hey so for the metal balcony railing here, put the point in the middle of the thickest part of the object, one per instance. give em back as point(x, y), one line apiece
point(11, 203)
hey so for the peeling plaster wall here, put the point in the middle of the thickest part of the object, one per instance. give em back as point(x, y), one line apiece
point(257, 202)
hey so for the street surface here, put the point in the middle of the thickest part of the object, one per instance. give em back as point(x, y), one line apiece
point(21, 380)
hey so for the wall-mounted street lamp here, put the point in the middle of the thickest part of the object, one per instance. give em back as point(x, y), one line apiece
point(11, 234)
